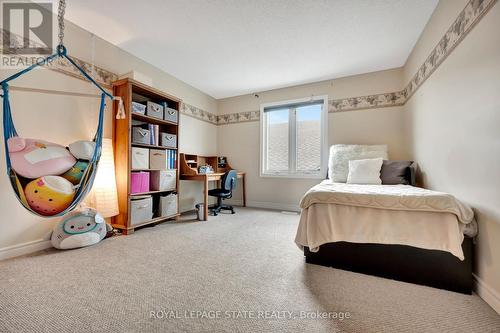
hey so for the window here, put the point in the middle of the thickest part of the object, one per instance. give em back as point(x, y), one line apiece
point(294, 138)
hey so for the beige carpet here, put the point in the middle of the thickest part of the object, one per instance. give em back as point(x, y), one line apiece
point(246, 263)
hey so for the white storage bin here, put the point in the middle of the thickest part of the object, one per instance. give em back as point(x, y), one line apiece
point(141, 209)
point(140, 158)
point(168, 205)
point(157, 159)
point(163, 180)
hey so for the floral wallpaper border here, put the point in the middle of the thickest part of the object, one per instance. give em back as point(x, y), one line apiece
point(200, 114)
point(473, 12)
point(99, 74)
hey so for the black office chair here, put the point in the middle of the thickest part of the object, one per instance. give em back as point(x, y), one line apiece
point(228, 184)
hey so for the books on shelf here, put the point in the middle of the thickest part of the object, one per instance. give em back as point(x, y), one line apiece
point(171, 159)
point(154, 134)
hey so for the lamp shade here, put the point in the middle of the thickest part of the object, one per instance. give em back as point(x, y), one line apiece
point(105, 198)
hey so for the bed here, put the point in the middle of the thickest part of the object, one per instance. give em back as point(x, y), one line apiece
point(401, 232)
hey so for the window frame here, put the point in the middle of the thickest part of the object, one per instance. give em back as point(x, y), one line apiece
point(292, 141)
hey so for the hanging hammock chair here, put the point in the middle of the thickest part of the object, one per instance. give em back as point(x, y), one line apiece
point(9, 130)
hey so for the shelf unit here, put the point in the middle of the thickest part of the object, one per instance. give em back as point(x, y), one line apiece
point(189, 164)
point(130, 90)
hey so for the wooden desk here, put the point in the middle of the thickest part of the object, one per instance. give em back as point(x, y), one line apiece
point(210, 177)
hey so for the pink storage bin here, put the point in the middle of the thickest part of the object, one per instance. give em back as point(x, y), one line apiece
point(139, 182)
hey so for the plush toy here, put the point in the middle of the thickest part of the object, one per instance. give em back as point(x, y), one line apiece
point(49, 195)
point(74, 175)
point(32, 158)
point(78, 229)
point(82, 150)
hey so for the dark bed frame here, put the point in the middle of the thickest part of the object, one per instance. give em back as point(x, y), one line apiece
point(432, 268)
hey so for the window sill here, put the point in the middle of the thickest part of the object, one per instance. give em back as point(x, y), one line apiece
point(293, 175)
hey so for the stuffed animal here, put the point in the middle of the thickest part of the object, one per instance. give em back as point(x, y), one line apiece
point(32, 158)
point(75, 174)
point(78, 229)
point(82, 150)
point(49, 195)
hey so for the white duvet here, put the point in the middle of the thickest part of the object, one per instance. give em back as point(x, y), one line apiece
point(385, 214)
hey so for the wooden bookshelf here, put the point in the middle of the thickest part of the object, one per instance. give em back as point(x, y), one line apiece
point(130, 90)
point(142, 145)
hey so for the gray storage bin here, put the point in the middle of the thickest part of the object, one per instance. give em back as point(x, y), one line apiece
point(141, 209)
point(168, 205)
point(171, 114)
point(168, 140)
point(138, 108)
point(154, 110)
point(140, 135)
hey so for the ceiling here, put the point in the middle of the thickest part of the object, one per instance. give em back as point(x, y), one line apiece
point(233, 47)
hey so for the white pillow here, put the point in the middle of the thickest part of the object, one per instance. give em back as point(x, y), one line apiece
point(82, 150)
point(365, 171)
point(340, 155)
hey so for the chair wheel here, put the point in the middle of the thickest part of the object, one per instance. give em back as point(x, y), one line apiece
point(232, 212)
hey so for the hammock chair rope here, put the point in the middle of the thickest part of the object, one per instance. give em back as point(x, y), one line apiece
point(10, 131)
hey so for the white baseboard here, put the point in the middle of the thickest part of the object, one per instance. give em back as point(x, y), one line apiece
point(488, 294)
point(24, 248)
point(264, 204)
point(274, 205)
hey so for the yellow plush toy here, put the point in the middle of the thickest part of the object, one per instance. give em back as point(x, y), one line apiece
point(49, 195)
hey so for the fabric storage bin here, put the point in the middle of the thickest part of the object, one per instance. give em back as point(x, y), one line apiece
point(168, 140)
point(139, 182)
point(140, 135)
point(163, 180)
point(170, 114)
point(138, 108)
point(154, 110)
point(141, 209)
point(168, 205)
point(140, 158)
point(157, 159)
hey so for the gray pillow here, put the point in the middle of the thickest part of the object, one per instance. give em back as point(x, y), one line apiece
point(396, 172)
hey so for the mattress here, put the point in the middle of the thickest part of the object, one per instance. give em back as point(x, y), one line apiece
point(383, 214)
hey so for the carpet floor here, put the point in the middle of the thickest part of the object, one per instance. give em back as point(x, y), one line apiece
point(234, 273)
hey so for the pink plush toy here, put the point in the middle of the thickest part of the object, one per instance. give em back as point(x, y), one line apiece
point(31, 158)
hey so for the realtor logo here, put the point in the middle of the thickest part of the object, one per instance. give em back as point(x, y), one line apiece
point(27, 27)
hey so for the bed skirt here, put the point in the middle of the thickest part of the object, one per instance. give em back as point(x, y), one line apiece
point(438, 269)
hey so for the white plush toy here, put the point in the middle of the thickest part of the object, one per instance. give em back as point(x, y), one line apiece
point(78, 229)
point(82, 150)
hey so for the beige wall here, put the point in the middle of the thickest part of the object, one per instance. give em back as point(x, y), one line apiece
point(453, 127)
point(64, 119)
point(240, 142)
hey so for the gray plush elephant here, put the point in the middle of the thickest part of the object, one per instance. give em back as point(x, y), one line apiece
point(78, 229)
